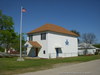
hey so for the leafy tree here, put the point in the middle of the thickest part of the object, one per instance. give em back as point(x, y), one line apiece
point(16, 43)
point(76, 32)
point(1, 49)
point(6, 22)
point(7, 33)
point(97, 45)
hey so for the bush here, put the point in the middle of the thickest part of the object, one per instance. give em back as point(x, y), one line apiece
point(96, 53)
point(1, 49)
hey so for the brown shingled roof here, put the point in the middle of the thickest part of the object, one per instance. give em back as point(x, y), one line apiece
point(54, 28)
point(35, 44)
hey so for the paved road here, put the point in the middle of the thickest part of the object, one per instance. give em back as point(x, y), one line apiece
point(86, 68)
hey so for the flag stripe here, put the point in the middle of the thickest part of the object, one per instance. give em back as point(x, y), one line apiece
point(23, 10)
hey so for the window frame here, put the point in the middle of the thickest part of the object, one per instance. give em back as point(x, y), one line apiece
point(30, 37)
point(43, 36)
point(59, 50)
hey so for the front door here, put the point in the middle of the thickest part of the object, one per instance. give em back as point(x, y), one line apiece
point(36, 52)
point(58, 51)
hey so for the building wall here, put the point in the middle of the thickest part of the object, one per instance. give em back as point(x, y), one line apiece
point(43, 43)
point(89, 51)
point(56, 40)
point(28, 48)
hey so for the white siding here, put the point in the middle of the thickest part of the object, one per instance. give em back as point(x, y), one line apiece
point(58, 40)
point(28, 48)
point(89, 51)
point(43, 43)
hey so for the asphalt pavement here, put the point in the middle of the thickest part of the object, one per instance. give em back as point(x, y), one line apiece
point(85, 68)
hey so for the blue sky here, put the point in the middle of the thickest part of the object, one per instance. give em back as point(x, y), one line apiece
point(80, 15)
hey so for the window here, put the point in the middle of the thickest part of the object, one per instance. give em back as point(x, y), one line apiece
point(58, 50)
point(30, 37)
point(43, 36)
point(44, 52)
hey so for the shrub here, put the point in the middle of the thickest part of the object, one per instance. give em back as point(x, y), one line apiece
point(1, 49)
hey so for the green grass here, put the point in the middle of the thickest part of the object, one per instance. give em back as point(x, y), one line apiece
point(9, 66)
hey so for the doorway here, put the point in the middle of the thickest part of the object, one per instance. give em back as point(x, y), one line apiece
point(58, 51)
point(36, 52)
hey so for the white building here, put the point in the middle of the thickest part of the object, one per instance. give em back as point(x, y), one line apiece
point(51, 41)
point(82, 47)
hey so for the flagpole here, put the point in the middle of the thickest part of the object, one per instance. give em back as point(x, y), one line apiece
point(21, 33)
point(21, 17)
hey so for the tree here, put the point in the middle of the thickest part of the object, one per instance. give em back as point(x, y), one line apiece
point(97, 45)
point(1, 49)
point(88, 39)
point(6, 22)
point(76, 32)
point(7, 34)
point(16, 44)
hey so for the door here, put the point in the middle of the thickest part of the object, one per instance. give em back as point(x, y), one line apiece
point(36, 52)
point(57, 52)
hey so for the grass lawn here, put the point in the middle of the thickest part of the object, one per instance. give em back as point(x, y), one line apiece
point(9, 66)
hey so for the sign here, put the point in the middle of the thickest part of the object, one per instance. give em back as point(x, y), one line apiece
point(67, 42)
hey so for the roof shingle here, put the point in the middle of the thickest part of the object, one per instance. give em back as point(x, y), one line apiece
point(54, 28)
point(35, 44)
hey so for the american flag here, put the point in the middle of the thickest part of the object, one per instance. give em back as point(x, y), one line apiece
point(23, 10)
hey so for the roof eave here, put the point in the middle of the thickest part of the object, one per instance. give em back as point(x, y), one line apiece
point(54, 31)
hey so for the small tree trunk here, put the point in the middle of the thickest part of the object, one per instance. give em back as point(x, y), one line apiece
point(85, 52)
point(5, 50)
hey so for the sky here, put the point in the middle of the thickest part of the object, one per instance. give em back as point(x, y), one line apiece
point(80, 15)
